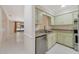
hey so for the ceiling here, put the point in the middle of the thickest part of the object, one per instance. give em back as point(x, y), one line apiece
point(57, 9)
point(16, 12)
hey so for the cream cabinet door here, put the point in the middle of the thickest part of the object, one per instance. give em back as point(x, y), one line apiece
point(52, 20)
point(64, 19)
point(75, 15)
point(60, 37)
point(51, 39)
point(65, 38)
point(68, 39)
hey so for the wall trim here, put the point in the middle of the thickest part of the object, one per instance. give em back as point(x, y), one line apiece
point(67, 12)
point(30, 36)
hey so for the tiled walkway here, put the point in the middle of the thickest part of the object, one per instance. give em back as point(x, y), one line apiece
point(13, 44)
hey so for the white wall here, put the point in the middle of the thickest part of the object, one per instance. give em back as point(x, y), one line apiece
point(29, 29)
point(0, 25)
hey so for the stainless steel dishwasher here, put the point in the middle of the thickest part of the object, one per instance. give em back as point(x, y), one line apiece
point(40, 44)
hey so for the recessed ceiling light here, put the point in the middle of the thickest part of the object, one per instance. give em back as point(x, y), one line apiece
point(63, 5)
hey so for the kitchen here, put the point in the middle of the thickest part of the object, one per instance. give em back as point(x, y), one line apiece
point(60, 28)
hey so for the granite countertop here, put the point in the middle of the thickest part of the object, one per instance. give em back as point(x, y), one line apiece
point(40, 34)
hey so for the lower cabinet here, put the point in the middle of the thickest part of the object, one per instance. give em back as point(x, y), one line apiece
point(60, 37)
point(51, 39)
point(65, 37)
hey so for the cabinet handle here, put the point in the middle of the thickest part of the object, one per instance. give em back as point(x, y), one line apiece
point(75, 31)
point(76, 39)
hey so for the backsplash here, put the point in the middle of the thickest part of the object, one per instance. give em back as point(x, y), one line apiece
point(68, 27)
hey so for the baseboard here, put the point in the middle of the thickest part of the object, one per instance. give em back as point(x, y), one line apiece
point(60, 44)
point(64, 45)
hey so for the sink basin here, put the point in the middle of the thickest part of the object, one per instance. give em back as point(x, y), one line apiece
point(40, 33)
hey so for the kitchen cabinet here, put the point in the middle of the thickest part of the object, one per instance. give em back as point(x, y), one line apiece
point(51, 39)
point(60, 37)
point(68, 39)
point(64, 19)
point(41, 16)
point(52, 20)
point(65, 37)
point(75, 15)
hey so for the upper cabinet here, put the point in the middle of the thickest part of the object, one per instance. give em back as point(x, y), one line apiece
point(41, 16)
point(75, 15)
point(67, 18)
point(52, 20)
point(64, 19)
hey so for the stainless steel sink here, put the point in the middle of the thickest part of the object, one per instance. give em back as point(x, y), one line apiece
point(40, 33)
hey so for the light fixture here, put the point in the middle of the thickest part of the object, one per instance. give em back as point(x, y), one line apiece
point(63, 5)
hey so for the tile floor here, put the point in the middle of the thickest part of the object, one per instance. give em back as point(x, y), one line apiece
point(13, 44)
point(60, 49)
